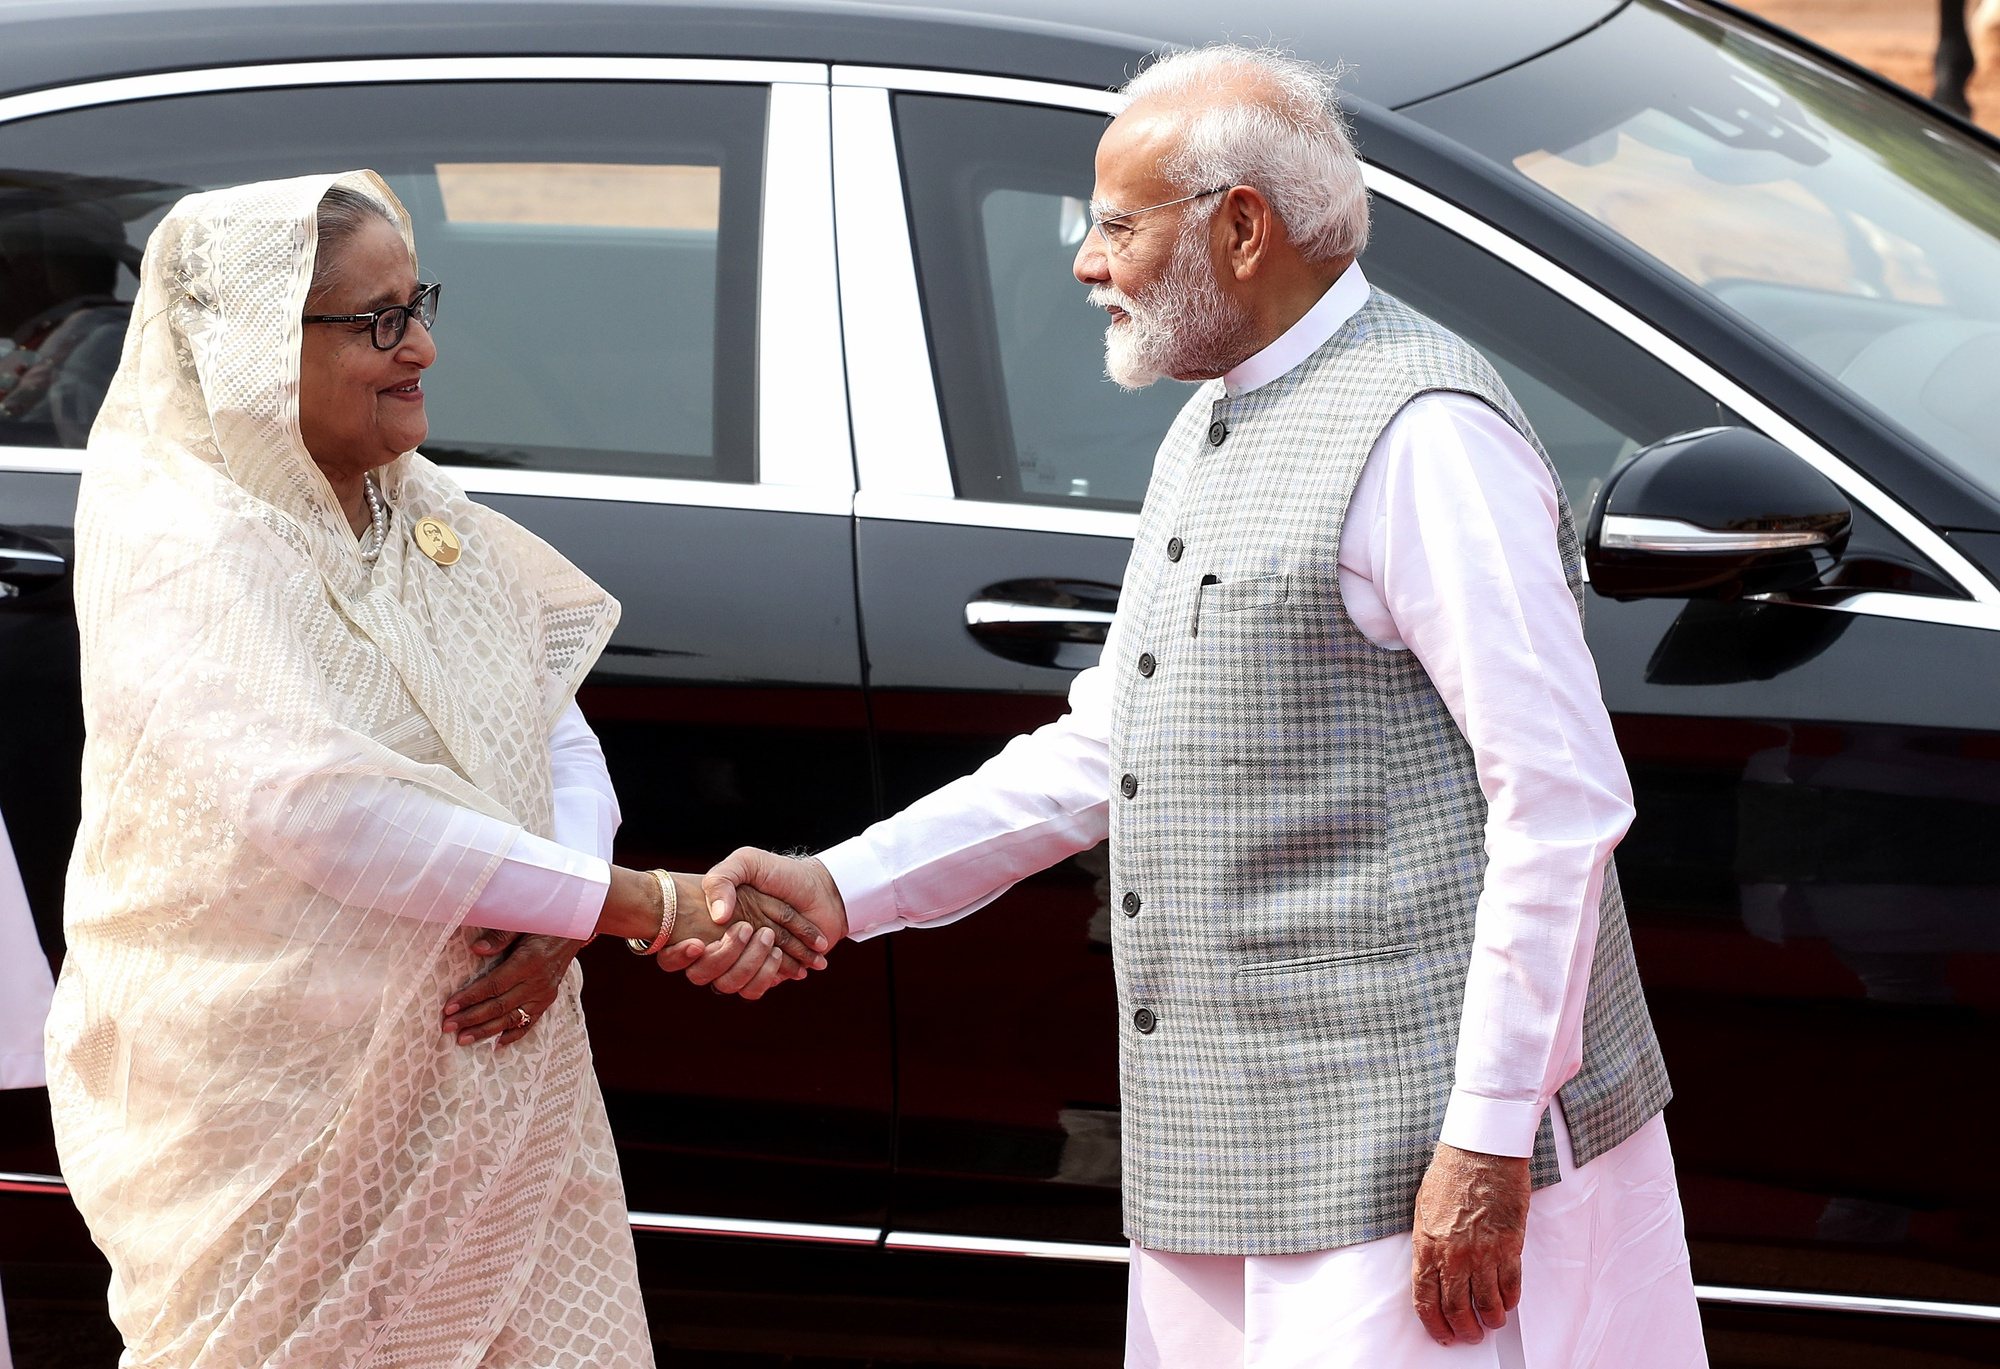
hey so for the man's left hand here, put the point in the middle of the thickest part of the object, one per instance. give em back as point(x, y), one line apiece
point(1472, 1219)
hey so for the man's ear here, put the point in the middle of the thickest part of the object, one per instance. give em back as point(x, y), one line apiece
point(1250, 230)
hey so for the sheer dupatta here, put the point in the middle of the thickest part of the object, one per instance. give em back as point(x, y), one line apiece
point(283, 1158)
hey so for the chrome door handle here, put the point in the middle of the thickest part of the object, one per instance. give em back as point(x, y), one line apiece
point(1006, 618)
point(1060, 624)
point(28, 564)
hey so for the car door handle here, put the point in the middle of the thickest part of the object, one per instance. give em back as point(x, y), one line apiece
point(1056, 623)
point(1039, 622)
point(28, 564)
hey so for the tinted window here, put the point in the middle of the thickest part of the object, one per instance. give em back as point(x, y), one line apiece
point(997, 195)
point(1855, 229)
point(597, 246)
point(1593, 397)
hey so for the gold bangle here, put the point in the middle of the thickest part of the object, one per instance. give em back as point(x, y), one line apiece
point(670, 908)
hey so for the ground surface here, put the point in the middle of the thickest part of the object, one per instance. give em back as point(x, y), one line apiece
point(1894, 37)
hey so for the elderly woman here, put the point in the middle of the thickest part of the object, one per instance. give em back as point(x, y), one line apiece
point(331, 733)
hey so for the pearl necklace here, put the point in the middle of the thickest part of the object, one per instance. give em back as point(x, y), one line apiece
point(378, 522)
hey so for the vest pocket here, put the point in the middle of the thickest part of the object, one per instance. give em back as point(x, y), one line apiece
point(1308, 962)
point(1233, 596)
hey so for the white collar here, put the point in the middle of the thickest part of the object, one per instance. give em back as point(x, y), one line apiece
point(1342, 300)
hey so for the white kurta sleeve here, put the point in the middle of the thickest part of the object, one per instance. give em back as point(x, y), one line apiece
point(1047, 795)
point(558, 887)
point(420, 851)
point(1458, 542)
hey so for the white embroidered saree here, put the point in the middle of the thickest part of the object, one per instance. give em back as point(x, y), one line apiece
point(285, 1160)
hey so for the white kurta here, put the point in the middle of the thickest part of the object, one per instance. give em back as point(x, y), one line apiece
point(25, 981)
point(1448, 550)
point(25, 988)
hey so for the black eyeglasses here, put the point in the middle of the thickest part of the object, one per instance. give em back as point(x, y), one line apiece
point(387, 326)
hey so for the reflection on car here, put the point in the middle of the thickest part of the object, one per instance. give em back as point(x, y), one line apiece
point(810, 389)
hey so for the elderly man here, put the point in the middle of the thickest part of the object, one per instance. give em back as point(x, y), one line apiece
point(1386, 1068)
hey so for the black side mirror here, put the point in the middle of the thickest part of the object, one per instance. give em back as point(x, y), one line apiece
point(1714, 514)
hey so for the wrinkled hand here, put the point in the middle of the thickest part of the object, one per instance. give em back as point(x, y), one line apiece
point(527, 973)
point(746, 885)
point(1472, 1219)
point(634, 906)
point(793, 942)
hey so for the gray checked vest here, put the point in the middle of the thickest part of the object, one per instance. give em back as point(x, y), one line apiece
point(1297, 837)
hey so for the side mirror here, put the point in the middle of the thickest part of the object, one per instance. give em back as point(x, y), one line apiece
point(1714, 514)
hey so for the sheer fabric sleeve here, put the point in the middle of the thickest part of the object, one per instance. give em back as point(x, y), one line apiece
point(558, 887)
point(416, 850)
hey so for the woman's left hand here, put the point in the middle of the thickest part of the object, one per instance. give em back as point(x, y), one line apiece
point(526, 976)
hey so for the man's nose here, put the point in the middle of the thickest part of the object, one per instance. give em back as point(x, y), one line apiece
point(1091, 267)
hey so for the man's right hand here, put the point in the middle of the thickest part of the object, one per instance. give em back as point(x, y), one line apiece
point(748, 872)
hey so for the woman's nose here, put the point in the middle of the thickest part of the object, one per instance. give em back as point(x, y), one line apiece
point(418, 346)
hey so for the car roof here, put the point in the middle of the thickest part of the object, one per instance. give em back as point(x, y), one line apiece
point(1396, 52)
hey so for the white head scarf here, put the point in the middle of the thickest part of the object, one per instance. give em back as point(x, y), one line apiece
point(255, 1109)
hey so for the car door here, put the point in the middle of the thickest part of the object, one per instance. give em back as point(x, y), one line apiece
point(1766, 740)
point(639, 360)
point(992, 531)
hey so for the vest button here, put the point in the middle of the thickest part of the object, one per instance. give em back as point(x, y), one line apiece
point(1147, 664)
point(1129, 786)
point(1174, 548)
point(1216, 432)
point(1131, 904)
point(1145, 1021)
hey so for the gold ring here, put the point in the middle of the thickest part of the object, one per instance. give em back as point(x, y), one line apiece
point(522, 1017)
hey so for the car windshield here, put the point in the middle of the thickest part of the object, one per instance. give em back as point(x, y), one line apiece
point(1856, 230)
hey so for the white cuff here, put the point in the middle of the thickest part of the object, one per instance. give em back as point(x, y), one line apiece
point(867, 888)
point(1491, 1126)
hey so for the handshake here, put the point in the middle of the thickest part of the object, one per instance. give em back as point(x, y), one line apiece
point(786, 913)
point(751, 923)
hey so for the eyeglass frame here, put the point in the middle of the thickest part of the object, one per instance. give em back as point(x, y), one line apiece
point(1097, 221)
point(432, 292)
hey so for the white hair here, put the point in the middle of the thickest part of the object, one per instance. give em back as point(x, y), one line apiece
point(1288, 139)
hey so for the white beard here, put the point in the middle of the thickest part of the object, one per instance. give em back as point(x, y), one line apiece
point(1183, 327)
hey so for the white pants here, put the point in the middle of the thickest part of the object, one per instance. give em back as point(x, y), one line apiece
point(1605, 1284)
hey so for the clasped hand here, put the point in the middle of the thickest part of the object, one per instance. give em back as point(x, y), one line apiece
point(769, 942)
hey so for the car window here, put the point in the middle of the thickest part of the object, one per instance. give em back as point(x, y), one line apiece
point(597, 245)
point(997, 198)
point(997, 195)
point(1855, 229)
point(1593, 397)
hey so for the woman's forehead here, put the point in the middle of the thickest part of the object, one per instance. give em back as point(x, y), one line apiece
point(374, 266)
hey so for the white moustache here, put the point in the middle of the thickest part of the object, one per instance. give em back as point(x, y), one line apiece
point(1109, 297)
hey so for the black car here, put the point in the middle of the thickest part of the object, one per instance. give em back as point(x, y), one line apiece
point(762, 312)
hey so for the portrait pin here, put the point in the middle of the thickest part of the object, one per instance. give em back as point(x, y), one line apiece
point(436, 540)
